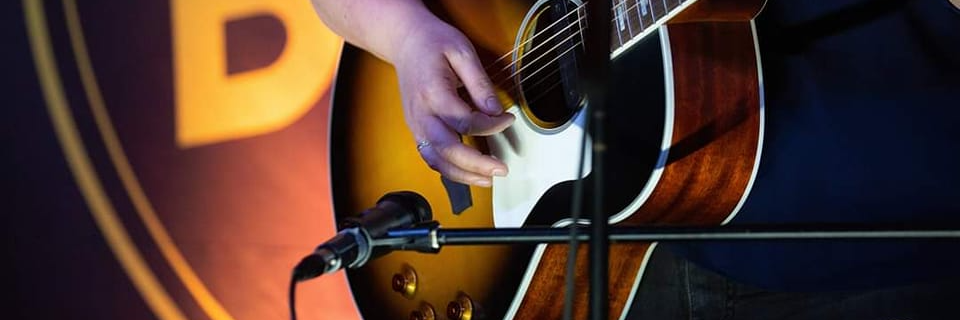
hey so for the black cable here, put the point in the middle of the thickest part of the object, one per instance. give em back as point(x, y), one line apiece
point(292, 295)
point(576, 204)
point(599, 242)
point(594, 85)
point(597, 79)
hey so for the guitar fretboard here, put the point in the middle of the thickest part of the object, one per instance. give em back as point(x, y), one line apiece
point(634, 19)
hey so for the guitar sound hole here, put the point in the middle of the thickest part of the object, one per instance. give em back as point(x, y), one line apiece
point(549, 65)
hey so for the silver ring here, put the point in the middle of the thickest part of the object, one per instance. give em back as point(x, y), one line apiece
point(422, 144)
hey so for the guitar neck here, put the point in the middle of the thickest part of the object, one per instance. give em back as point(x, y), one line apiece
point(635, 19)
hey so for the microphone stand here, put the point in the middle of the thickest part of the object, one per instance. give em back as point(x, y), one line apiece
point(429, 237)
point(595, 81)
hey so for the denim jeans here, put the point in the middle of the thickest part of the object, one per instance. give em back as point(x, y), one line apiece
point(673, 288)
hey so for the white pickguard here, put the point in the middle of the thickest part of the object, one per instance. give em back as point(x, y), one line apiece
point(538, 159)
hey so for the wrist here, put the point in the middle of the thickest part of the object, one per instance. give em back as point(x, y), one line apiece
point(407, 29)
point(377, 26)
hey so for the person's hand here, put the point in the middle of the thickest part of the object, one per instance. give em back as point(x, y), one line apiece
point(432, 63)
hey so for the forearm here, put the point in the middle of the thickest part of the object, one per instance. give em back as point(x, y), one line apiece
point(378, 26)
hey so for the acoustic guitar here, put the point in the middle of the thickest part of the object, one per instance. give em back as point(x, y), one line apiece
point(684, 131)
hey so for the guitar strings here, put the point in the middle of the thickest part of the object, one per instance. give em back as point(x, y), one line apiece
point(578, 10)
point(545, 31)
point(543, 93)
point(531, 62)
point(564, 17)
point(538, 46)
point(515, 88)
point(505, 84)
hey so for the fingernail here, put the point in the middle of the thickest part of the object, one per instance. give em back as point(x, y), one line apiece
point(499, 172)
point(482, 183)
point(493, 105)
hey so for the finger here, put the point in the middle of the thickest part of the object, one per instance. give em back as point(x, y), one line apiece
point(477, 124)
point(471, 160)
point(466, 64)
point(457, 115)
point(451, 171)
point(446, 145)
point(485, 125)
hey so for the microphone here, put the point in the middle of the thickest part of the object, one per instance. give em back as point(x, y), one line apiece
point(352, 246)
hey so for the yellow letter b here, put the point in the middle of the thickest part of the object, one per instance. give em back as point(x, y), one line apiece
point(213, 104)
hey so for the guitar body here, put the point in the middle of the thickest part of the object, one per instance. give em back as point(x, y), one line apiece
point(683, 130)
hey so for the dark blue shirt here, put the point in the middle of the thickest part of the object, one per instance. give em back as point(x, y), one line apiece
point(862, 125)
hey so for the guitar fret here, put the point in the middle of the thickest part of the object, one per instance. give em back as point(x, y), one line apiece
point(648, 12)
point(632, 18)
point(616, 40)
point(634, 9)
point(638, 9)
point(624, 17)
point(658, 8)
point(649, 5)
point(618, 25)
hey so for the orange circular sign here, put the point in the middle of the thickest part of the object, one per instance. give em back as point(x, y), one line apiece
point(197, 134)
